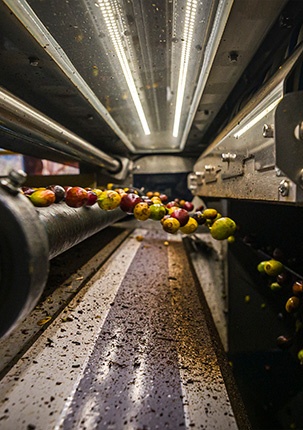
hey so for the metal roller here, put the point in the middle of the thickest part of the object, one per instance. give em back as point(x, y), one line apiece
point(66, 226)
point(29, 238)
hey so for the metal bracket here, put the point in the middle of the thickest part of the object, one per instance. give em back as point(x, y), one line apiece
point(288, 138)
point(233, 165)
point(211, 173)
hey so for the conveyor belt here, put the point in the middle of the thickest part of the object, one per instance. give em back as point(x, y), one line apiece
point(134, 349)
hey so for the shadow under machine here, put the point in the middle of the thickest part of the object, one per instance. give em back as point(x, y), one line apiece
point(111, 323)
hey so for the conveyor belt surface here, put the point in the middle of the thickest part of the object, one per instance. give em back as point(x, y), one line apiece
point(134, 349)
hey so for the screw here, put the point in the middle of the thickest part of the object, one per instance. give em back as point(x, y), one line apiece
point(268, 130)
point(284, 188)
point(15, 179)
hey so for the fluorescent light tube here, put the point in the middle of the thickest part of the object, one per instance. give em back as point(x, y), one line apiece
point(107, 8)
point(189, 23)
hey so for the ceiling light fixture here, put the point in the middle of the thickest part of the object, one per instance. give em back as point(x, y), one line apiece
point(189, 24)
point(218, 24)
point(108, 9)
point(22, 10)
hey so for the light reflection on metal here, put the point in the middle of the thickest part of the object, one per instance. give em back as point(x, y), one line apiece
point(143, 65)
point(212, 44)
point(110, 11)
point(189, 25)
point(30, 20)
point(257, 118)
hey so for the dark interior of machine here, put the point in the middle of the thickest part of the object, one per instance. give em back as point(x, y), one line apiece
point(97, 92)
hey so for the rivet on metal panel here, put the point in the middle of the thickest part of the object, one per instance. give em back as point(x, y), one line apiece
point(268, 130)
point(284, 188)
point(15, 179)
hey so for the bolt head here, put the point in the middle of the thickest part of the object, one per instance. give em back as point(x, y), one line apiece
point(284, 188)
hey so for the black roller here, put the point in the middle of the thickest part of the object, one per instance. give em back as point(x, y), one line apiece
point(24, 259)
point(66, 226)
point(29, 238)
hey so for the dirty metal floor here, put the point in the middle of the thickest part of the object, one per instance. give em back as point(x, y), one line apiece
point(134, 348)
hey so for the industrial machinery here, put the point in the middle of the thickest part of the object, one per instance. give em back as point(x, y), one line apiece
point(107, 322)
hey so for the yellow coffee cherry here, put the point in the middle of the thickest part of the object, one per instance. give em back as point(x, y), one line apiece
point(190, 227)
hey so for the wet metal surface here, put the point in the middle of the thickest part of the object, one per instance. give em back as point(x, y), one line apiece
point(133, 350)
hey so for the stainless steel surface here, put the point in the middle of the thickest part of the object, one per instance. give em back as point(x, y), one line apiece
point(163, 164)
point(247, 26)
point(67, 53)
point(20, 117)
point(30, 20)
point(135, 348)
point(289, 148)
point(153, 87)
point(244, 160)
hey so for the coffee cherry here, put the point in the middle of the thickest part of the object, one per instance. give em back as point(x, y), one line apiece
point(222, 228)
point(129, 201)
point(283, 342)
point(157, 211)
point(190, 227)
point(59, 192)
point(42, 198)
point(300, 356)
point(171, 225)
point(210, 213)
point(273, 267)
point(188, 206)
point(91, 198)
point(199, 217)
point(181, 215)
point(142, 211)
point(297, 288)
point(76, 197)
point(109, 200)
point(292, 304)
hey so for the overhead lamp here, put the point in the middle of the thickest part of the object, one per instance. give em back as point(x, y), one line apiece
point(143, 66)
point(110, 10)
point(26, 15)
point(189, 25)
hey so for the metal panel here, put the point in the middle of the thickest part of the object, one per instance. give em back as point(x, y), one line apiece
point(242, 161)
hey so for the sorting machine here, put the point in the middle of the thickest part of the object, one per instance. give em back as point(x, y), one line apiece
point(111, 323)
